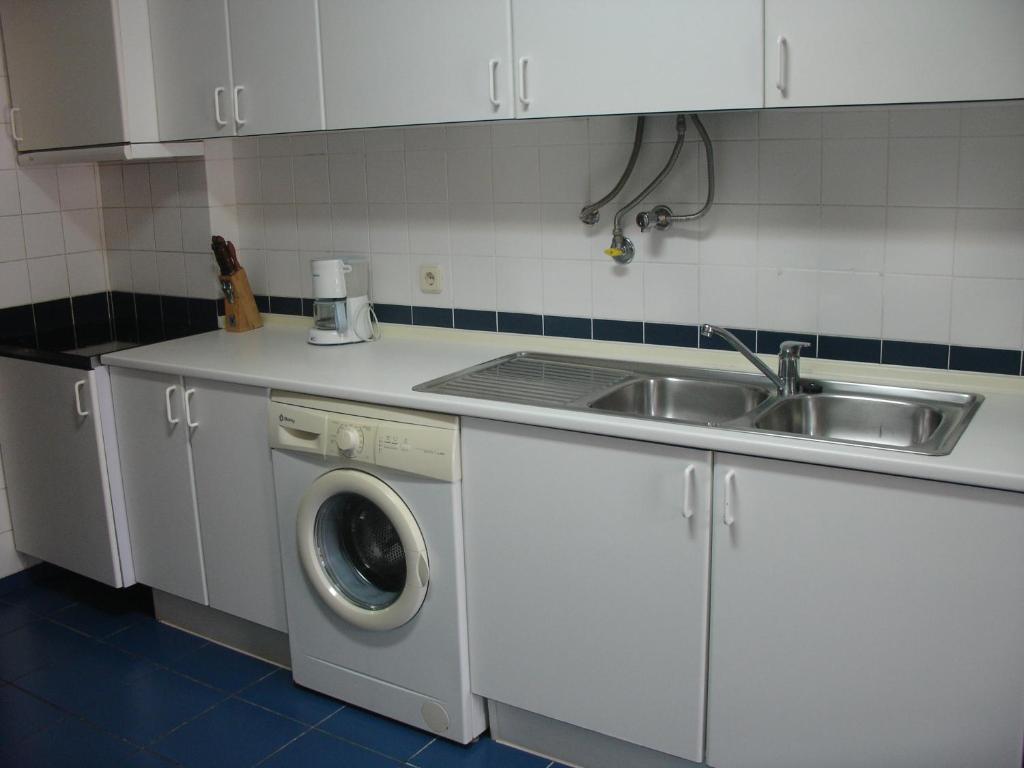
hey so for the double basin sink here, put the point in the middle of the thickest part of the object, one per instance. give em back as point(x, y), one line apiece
point(898, 418)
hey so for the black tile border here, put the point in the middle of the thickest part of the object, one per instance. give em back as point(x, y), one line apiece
point(850, 348)
point(915, 353)
point(619, 330)
point(148, 318)
point(521, 322)
point(985, 360)
point(435, 317)
point(568, 327)
point(670, 335)
point(476, 320)
point(768, 342)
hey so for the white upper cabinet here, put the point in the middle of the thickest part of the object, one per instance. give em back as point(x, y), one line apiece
point(395, 62)
point(79, 72)
point(820, 52)
point(192, 69)
point(584, 57)
point(227, 67)
point(275, 63)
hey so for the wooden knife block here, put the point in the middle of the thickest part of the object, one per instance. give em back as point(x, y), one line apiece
point(240, 312)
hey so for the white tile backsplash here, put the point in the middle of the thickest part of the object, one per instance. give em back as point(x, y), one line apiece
point(923, 171)
point(48, 278)
point(917, 308)
point(987, 313)
point(864, 222)
point(44, 234)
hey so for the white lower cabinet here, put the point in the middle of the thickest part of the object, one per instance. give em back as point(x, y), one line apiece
point(198, 491)
point(156, 467)
point(587, 580)
point(60, 464)
point(860, 620)
point(235, 494)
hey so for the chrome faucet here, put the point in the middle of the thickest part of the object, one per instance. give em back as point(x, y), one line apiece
point(787, 380)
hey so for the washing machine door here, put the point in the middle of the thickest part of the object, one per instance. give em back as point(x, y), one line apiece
point(362, 550)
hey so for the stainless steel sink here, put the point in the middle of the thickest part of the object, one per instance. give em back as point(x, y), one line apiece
point(896, 418)
point(920, 421)
point(687, 400)
point(893, 423)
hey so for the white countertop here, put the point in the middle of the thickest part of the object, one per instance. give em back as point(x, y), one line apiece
point(990, 453)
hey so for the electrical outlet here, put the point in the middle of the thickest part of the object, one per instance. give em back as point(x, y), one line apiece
point(431, 279)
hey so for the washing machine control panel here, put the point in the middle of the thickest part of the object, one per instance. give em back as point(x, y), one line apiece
point(425, 444)
point(352, 438)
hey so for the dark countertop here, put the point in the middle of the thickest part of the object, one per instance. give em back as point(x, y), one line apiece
point(83, 358)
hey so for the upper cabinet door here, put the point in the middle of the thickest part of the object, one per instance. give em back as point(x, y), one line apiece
point(587, 57)
point(62, 62)
point(192, 69)
point(889, 51)
point(275, 60)
point(395, 62)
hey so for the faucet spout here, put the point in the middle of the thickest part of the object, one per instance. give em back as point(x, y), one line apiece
point(713, 330)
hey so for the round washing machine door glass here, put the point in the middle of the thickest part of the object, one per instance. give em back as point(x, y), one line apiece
point(362, 550)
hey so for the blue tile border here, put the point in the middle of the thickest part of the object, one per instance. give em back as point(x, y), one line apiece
point(768, 342)
point(568, 327)
point(915, 353)
point(476, 320)
point(850, 348)
point(985, 360)
point(518, 322)
point(399, 314)
point(435, 317)
point(746, 335)
point(670, 334)
point(619, 330)
point(152, 318)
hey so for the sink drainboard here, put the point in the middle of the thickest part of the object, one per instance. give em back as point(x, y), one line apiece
point(528, 379)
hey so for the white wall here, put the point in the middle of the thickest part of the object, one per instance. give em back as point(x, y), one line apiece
point(905, 223)
point(158, 219)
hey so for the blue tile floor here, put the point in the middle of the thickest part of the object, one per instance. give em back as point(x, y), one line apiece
point(89, 678)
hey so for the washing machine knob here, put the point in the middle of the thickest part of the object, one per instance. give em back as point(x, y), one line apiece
point(350, 440)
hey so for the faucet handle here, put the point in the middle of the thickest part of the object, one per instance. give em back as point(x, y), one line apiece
point(791, 349)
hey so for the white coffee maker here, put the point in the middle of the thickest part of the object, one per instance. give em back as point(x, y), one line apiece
point(338, 318)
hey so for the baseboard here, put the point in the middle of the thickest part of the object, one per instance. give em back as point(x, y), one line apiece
point(225, 629)
point(570, 744)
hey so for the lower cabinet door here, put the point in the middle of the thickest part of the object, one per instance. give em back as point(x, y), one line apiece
point(587, 579)
point(862, 620)
point(152, 433)
point(55, 467)
point(235, 497)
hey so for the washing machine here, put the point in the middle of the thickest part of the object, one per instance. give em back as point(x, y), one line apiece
point(370, 515)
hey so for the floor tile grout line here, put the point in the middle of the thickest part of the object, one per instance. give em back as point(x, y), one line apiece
point(284, 746)
point(418, 752)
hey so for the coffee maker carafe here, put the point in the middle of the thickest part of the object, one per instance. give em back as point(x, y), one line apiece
point(337, 319)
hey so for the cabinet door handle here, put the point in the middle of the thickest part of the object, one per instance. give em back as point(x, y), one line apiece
point(493, 65)
point(523, 98)
point(167, 401)
point(78, 398)
point(13, 112)
point(781, 76)
point(188, 409)
point(239, 120)
point(728, 502)
point(217, 93)
point(688, 492)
